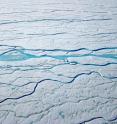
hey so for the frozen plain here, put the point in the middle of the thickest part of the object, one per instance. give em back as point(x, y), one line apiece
point(58, 61)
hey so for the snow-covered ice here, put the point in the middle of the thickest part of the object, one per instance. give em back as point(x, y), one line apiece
point(58, 61)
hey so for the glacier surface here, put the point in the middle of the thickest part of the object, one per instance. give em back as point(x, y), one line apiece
point(58, 62)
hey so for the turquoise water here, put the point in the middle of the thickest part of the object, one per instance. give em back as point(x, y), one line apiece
point(22, 54)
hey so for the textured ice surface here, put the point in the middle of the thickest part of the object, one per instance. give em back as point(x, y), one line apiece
point(58, 61)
